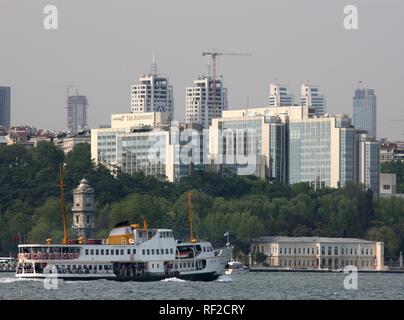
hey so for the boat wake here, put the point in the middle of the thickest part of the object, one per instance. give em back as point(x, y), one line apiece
point(174, 279)
point(224, 278)
point(11, 280)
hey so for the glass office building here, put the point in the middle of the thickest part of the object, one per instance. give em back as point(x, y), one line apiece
point(364, 111)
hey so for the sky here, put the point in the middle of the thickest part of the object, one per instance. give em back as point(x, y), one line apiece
point(102, 47)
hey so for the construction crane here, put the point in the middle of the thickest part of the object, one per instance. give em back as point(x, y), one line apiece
point(214, 54)
point(67, 86)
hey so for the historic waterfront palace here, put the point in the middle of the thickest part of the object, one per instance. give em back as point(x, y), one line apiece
point(319, 253)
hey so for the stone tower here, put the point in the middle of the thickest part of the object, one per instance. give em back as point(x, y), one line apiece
point(83, 211)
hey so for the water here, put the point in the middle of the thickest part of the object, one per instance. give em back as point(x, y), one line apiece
point(260, 286)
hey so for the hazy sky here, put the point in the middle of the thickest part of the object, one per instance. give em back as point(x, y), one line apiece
point(103, 46)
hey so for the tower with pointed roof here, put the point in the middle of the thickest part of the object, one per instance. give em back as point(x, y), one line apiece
point(84, 211)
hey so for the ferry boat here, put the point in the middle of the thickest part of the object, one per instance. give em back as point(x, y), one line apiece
point(129, 253)
point(236, 267)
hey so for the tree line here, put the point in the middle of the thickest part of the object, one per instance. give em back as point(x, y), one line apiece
point(247, 207)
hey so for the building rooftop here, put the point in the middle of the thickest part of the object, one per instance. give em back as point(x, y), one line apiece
point(310, 239)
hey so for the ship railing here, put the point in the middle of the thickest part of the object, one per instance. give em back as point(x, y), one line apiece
point(48, 256)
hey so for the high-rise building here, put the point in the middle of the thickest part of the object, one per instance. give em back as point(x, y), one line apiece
point(310, 97)
point(77, 113)
point(279, 96)
point(5, 107)
point(152, 94)
point(200, 102)
point(83, 211)
point(369, 163)
point(364, 111)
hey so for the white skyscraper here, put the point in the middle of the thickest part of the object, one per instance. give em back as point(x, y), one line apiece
point(279, 96)
point(310, 97)
point(199, 101)
point(152, 94)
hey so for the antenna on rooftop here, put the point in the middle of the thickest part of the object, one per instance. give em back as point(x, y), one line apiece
point(154, 64)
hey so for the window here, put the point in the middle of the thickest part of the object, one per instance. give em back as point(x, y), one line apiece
point(367, 251)
point(102, 252)
point(92, 252)
point(323, 250)
point(112, 252)
point(329, 250)
point(157, 251)
point(166, 251)
point(204, 249)
point(171, 251)
point(86, 252)
point(280, 250)
point(294, 250)
point(152, 251)
point(134, 251)
point(128, 251)
point(96, 252)
point(336, 250)
point(143, 252)
point(290, 250)
point(107, 252)
point(148, 252)
point(122, 252)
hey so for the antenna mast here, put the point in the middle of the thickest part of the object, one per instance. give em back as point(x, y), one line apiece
point(191, 235)
point(62, 203)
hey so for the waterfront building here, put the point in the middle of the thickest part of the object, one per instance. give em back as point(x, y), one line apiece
point(201, 104)
point(316, 253)
point(364, 111)
point(5, 107)
point(387, 151)
point(83, 211)
point(279, 96)
point(310, 97)
point(153, 94)
point(146, 142)
point(77, 113)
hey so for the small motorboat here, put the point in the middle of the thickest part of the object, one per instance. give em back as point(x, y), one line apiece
point(236, 267)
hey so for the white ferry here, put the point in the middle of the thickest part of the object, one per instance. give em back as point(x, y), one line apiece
point(129, 253)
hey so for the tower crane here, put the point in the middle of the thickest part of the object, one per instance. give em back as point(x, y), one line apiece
point(214, 54)
point(67, 86)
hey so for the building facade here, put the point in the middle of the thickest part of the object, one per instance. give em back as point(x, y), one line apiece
point(310, 97)
point(316, 253)
point(201, 104)
point(77, 113)
point(292, 145)
point(369, 163)
point(146, 142)
point(5, 100)
point(153, 94)
point(83, 211)
point(364, 111)
point(279, 96)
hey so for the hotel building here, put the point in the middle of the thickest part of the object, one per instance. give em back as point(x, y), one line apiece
point(146, 142)
point(317, 253)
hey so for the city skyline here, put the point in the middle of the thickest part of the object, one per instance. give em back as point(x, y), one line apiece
point(109, 64)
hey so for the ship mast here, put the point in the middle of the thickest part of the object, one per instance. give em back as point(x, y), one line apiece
point(191, 235)
point(62, 203)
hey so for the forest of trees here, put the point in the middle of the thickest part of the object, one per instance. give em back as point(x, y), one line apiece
point(248, 207)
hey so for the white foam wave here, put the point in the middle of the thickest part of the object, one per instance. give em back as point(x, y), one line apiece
point(11, 280)
point(174, 279)
point(224, 278)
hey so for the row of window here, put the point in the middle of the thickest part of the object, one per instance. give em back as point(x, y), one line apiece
point(108, 252)
point(157, 251)
point(323, 251)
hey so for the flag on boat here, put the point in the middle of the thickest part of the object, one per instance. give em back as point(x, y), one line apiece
point(226, 234)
